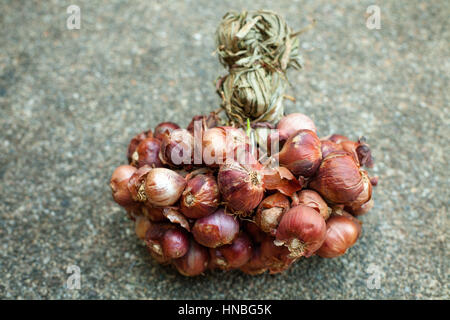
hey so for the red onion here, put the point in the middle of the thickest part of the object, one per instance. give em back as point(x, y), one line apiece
point(293, 122)
point(360, 151)
point(201, 196)
point(136, 184)
point(338, 178)
point(147, 153)
point(152, 213)
point(207, 122)
point(177, 148)
point(165, 128)
point(220, 143)
point(270, 211)
point(119, 185)
point(216, 229)
point(238, 252)
point(302, 230)
point(194, 262)
point(175, 243)
point(241, 186)
point(301, 153)
point(342, 233)
point(135, 141)
point(163, 187)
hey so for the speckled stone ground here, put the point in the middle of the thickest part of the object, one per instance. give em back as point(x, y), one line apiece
point(71, 100)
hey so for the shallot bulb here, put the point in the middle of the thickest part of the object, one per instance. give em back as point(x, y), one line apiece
point(301, 153)
point(293, 122)
point(165, 128)
point(136, 184)
point(338, 178)
point(312, 199)
point(360, 151)
point(364, 196)
point(342, 233)
point(163, 187)
point(201, 196)
point(233, 255)
point(175, 243)
point(270, 211)
point(194, 262)
point(241, 186)
point(135, 141)
point(219, 144)
point(177, 148)
point(147, 153)
point(119, 185)
point(302, 230)
point(216, 229)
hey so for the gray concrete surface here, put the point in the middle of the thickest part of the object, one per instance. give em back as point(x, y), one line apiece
point(71, 99)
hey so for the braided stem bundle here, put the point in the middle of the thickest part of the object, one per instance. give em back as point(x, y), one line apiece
point(257, 48)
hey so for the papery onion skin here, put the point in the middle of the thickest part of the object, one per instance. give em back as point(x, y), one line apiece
point(338, 178)
point(177, 148)
point(241, 186)
point(201, 196)
point(135, 141)
point(302, 230)
point(270, 211)
point(163, 187)
point(136, 184)
point(312, 199)
point(216, 229)
point(119, 185)
point(360, 151)
point(194, 262)
point(175, 243)
point(293, 122)
point(147, 153)
point(164, 128)
point(276, 258)
point(342, 233)
point(238, 252)
point(301, 153)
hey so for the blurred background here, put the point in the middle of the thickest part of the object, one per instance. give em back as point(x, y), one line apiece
point(70, 100)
